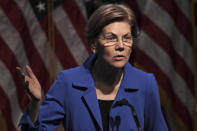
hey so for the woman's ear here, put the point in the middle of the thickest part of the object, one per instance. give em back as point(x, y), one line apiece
point(93, 47)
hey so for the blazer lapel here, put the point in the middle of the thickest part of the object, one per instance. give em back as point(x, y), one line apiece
point(90, 100)
point(85, 82)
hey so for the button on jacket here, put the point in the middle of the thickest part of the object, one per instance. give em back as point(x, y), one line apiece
point(72, 99)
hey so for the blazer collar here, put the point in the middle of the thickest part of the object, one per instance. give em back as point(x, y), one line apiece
point(85, 79)
point(129, 78)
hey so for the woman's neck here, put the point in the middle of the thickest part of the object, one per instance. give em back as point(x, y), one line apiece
point(107, 80)
point(106, 74)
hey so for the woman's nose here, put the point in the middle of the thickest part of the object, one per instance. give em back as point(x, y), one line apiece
point(120, 45)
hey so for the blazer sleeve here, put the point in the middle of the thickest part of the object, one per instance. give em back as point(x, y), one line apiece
point(51, 110)
point(154, 120)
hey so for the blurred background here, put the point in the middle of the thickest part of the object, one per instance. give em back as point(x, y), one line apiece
point(49, 36)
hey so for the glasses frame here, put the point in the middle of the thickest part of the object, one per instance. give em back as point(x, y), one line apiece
point(113, 39)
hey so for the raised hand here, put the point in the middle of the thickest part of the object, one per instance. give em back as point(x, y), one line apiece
point(31, 84)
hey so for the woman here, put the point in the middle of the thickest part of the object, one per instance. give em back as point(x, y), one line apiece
point(106, 93)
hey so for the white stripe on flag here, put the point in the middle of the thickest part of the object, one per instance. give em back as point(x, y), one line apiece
point(82, 7)
point(9, 88)
point(70, 35)
point(12, 39)
point(164, 22)
point(37, 34)
point(163, 61)
point(185, 7)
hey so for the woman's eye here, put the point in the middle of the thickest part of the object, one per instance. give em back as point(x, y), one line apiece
point(127, 37)
point(110, 38)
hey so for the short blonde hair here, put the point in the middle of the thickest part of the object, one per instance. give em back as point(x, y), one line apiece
point(107, 14)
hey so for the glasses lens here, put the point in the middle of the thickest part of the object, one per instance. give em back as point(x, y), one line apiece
point(110, 40)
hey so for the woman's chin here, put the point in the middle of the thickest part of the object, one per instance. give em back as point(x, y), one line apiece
point(118, 64)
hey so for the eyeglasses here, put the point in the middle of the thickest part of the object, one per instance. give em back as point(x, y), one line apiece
point(111, 39)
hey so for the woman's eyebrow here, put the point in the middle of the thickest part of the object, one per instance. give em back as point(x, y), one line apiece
point(111, 33)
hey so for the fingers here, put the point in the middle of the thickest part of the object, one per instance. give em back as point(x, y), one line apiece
point(30, 72)
point(30, 83)
point(24, 79)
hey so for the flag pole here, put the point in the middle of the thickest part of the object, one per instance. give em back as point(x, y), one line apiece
point(51, 41)
point(195, 66)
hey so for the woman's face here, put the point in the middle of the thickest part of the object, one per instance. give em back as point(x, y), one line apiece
point(114, 44)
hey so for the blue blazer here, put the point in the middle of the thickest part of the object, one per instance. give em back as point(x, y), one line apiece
point(72, 98)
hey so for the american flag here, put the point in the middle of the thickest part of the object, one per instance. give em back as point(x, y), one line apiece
point(49, 36)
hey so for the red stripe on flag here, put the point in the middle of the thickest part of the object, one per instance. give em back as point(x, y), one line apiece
point(11, 63)
point(77, 19)
point(13, 12)
point(61, 50)
point(165, 42)
point(182, 23)
point(164, 83)
point(6, 110)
